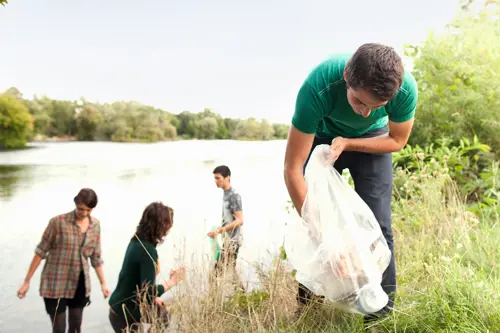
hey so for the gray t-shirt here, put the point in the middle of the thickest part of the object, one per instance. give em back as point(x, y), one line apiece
point(231, 202)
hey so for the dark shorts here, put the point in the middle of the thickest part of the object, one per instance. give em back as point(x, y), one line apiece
point(58, 305)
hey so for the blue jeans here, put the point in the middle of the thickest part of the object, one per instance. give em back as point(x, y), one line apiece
point(372, 176)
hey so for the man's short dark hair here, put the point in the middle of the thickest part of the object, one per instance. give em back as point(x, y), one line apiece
point(223, 171)
point(86, 196)
point(375, 67)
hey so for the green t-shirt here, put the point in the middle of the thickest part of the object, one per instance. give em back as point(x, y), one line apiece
point(322, 108)
point(138, 271)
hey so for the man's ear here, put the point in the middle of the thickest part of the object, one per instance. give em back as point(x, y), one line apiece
point(345, 75)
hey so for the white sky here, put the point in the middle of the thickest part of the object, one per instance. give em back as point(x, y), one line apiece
point(240, 58)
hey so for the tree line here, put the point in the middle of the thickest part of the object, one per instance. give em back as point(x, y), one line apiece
point(125, 121)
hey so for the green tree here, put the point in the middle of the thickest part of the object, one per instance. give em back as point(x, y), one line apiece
point(121, 132)
point(187, 127)
point(266, 130)
point(231, 125)
point(88, 121)
point(457, 72)
point(281, 131)
point(207, 127)
point(165, 124)
point(43, 120)
point(16, 123)
point(62, 114)
point(247, 129)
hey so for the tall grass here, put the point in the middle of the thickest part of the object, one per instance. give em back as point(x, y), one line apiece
point(447, 271)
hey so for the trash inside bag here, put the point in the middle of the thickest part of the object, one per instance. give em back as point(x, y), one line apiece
point(337, 247)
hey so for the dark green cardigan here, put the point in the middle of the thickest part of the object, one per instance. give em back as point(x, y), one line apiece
point(138, 270)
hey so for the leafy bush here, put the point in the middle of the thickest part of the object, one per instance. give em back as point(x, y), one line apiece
point(16, 124)
point(469, 164)
point(457, 74)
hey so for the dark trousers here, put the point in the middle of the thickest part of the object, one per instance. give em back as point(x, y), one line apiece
point(228, 258)
point(372, 175)
point(56, 308)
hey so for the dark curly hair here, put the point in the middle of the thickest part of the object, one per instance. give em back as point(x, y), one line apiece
point(156, 220)
point(375, 67)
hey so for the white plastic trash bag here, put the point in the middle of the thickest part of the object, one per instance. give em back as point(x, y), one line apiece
point(337, 247)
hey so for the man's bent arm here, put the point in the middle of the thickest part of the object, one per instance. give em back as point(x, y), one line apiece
point(238, 222)
point(297, 150)
point(392, 142)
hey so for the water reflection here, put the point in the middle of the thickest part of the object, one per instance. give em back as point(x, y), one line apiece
point(36, 184)
point(11, 176)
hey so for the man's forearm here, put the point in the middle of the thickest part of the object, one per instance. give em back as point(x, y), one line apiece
point(297, 189)
point(233, 225)
point(376, 145)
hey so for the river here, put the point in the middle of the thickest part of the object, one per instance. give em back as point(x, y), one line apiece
point(40, 182)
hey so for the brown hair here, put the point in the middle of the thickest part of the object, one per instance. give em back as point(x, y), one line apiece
point(375, 67)
point(86, 196)
point(156, 220)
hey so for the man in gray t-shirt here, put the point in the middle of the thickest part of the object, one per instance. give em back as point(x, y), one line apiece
point(232, 219)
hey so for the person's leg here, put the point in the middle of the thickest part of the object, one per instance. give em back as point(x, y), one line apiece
point(76, 306)
point(372, 175)
point(56, 309)
point(58, 322)
point(232, 261)
point(227, 258)
point(75, 320)
point(304, 295)
point(118, 324)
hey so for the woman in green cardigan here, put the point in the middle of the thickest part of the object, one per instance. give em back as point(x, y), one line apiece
point(136, 283)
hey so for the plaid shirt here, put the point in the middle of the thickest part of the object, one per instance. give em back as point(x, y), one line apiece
point(61, 245)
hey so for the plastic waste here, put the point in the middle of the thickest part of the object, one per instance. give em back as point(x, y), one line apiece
point(337, 247)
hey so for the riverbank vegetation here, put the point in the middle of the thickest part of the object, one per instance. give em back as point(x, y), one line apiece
point(42, 118)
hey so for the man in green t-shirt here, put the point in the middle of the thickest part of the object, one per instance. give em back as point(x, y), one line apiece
point(366, 102)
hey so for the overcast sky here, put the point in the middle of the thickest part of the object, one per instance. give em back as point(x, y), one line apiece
point(239, 57)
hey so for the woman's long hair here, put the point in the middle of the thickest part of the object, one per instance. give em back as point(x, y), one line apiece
point(156, 220)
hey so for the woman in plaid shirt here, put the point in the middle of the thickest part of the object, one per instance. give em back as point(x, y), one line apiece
point(67, 243)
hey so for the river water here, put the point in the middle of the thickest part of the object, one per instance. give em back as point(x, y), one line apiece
point(40, 182)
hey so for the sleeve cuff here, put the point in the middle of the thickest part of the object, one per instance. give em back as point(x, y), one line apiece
point(301, 128)
point(96, 263)
point(41, 253)
point(161, 290)
point(402, 119)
